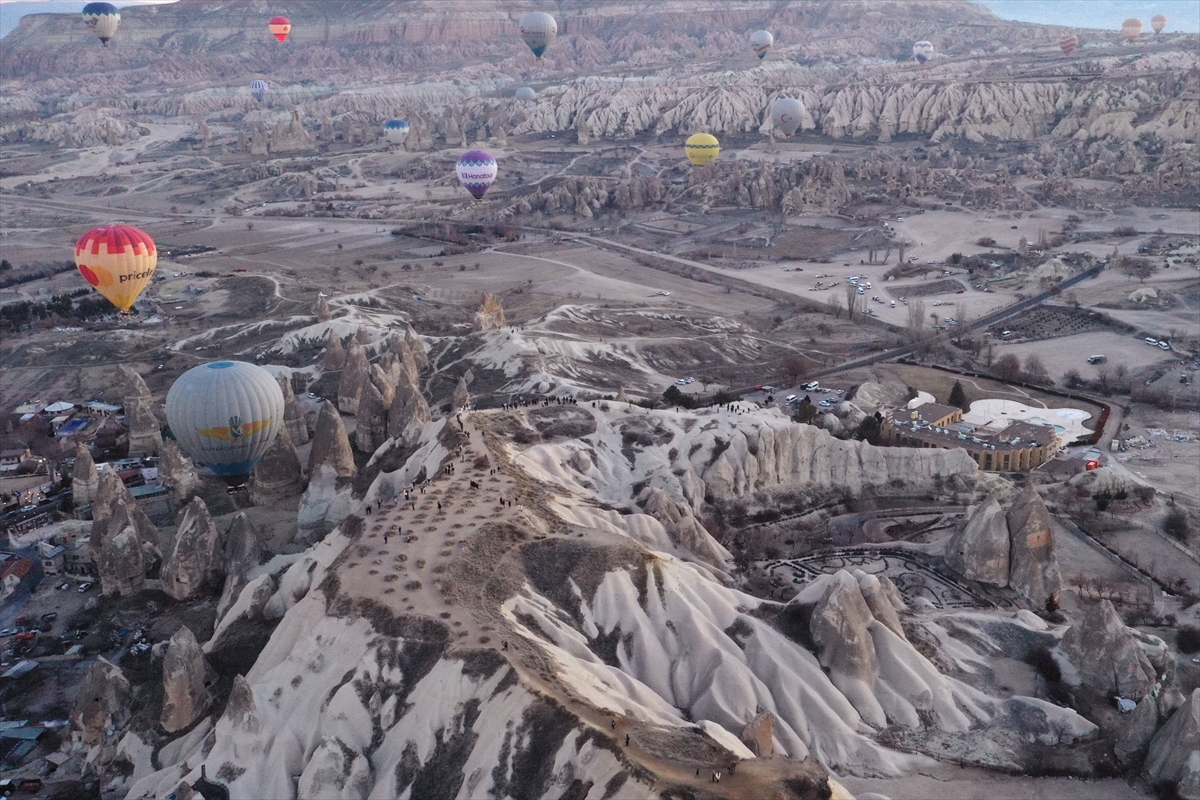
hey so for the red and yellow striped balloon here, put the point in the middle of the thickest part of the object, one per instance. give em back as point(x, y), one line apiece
point(118, 260)
point(281, 27)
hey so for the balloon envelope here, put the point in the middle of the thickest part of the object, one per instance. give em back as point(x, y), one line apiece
point(922, 52)
point(103, 19)
point(1132, 28)
point(477, 171)
point(787, 113)
point(538, 29)
point(281, 27)
point(1158, 22)
point(525, 94)
point(702, 148)
point(259, 90)
point(118, 260)
point(225, 415)
point(761, 42)
point(396, 130)
point(1068, 43)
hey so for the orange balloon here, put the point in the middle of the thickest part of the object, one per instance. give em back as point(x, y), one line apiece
point(118, 260)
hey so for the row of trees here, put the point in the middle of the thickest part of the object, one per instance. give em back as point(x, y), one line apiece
point(77, 306)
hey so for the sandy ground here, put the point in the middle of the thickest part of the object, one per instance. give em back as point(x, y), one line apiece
point(952, 783)
point(1071, 352)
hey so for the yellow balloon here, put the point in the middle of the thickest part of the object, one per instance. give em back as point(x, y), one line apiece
point(702, 148)
point(118, 260)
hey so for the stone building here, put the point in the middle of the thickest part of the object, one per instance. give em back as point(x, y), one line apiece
point(1018, 447)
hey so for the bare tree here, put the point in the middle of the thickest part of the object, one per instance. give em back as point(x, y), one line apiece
point(1034, 368)
point(794, 368)
point(1007, 368)
point(851, 299)
point(1104, 375)
point(835, 305)
point(916, 318)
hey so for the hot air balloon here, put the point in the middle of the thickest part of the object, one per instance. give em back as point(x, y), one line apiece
point(1132, 28)
point(1067, 43)
point(787, 113)
point(259, 89)
point(118, 260)
point(1158, 22)
point(702, 148)
point(281, 27)
point(477, 171)
point(760, 42)
point(103, 18)
point(538, 29)
point(525, 94)
point(225, 415)
point(396, 131)
point(922, 52)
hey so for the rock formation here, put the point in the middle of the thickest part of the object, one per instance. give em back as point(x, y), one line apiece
point(85, 480)
point(408, 413)
point(1137, 728)
point(759, 733)
point(186, 680)
point(490, 315)
point(123, 541)
point(104, 700)
point(354, 378)
point(371, 424)
point(121, 564)
point(195, 560)
point(145, 433)
point(383, 381)
point(461, 399)
point(1106, 654)
point(242, 549)
point(416, 347)
point(684, 529)
point(178, 472)
point(331, 445)
point(1174, 755)
point(767, 453)
point(323, 506)
point(874, 666)
point(293, 415)
point(1033, 566)
point(321, 309)
point(279, 473)
point(980, 551)
point(335, 353)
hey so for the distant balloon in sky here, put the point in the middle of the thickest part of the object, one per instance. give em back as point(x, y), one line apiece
point(280, 27)
point(702, 148)
point(103, 18)
point(225, 415)
point(787, 113)
point(477, 171)
point(396, 130)
point(259, 90)
point(525, 94)
point(922, 52)
point(118, 260)
point(1067, 43)
point(1132, 28)
point(538, 29)
point(761, 42)
point(1158, 22)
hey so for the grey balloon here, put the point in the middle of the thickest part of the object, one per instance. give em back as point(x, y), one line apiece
point(225, 415)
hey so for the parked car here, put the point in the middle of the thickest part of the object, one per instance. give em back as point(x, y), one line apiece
point(1150, 341)
point(83, 587)
point(791, 398)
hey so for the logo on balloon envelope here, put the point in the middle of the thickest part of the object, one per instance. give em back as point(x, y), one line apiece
point(235, 431)
point(476, 171)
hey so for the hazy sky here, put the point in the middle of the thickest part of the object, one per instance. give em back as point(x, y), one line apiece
point(1184, 15)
